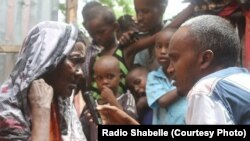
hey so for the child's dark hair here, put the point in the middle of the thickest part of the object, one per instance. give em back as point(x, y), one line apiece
point(101, 11)
point(82, 38)
point(159, 3)
point(137, 67)
point(88, 6)
point(126, 22)
point(169, 29)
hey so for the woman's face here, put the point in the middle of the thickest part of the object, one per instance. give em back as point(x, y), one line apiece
point(68, 73)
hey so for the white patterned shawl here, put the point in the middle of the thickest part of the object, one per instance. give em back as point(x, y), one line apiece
point(45, 46)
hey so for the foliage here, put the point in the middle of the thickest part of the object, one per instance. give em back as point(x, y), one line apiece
point(62, 8)
point(120, 7)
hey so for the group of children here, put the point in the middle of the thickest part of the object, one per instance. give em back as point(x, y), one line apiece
point(130, 72)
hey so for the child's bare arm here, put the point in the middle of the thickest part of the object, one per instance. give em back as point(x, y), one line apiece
point(168, 98)
point(149, 41)
point(127, 39)
point(182, 16)
point(142, 43)
point(131, 50)
point(142, 103)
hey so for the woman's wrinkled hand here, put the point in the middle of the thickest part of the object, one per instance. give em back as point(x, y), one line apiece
point(40, 94)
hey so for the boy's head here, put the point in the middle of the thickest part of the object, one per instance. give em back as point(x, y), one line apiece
point(136, 81)
point(107, 72)
point(86, 11)
point(161, 46)
point(101, 24)
point(149, 14)
point(126, 23)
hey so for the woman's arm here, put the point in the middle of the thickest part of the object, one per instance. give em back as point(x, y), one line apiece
point(40, 97)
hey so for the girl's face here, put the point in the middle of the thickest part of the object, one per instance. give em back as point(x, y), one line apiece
point(65, 78)
point(102, 33)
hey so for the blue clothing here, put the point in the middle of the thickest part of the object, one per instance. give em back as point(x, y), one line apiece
point(146, 57)
point(147, 117)
point(222, 97)
point(158, 85)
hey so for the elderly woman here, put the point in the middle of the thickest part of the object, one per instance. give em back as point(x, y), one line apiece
point(36, 102)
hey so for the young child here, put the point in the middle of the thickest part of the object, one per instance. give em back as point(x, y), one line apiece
point(126, 23)
point(93, 49)
point(136, 82)
point(101, 24)
point(107, 77)
point(168, 107)
point(150, 20)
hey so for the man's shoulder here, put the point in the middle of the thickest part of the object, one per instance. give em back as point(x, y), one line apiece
point(236, 77)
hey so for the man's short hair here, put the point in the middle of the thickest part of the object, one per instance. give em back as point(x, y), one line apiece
point(217, 34)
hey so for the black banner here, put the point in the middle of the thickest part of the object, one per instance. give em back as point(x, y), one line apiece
point(173, 132)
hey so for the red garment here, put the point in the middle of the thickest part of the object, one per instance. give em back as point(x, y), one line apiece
point(247, 40)
point(229, 10)
point(55, 134)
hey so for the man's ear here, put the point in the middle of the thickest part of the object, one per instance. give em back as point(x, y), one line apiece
point(206, 59)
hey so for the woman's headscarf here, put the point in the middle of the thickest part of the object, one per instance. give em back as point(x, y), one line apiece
point(44, 47)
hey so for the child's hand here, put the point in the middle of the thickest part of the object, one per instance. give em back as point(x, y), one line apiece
point(107, 94)
point(127, 38)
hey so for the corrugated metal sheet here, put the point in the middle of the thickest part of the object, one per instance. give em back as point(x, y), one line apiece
point(16, 18)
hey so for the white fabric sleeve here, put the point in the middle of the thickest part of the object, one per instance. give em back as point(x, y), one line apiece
point(202, 109)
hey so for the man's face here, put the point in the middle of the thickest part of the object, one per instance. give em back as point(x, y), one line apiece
point(184, 61)
point(149, 16)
